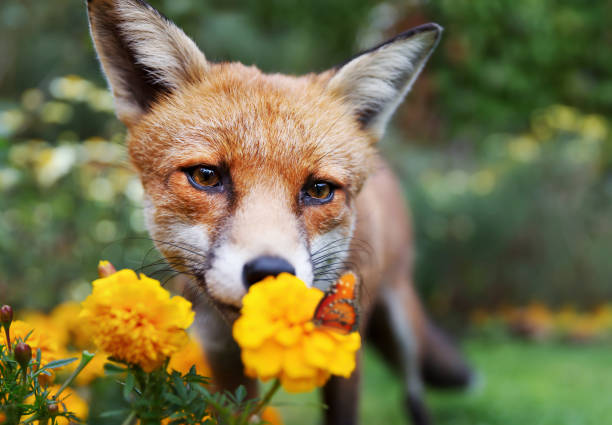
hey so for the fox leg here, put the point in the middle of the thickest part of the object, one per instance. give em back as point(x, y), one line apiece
point(394, 330)
point(341, 396)
point(227, 370)
point(222, 353)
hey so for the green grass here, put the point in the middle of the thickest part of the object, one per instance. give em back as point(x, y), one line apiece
point(519, 384)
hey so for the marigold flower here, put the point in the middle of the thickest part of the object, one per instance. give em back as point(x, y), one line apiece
point(192, 354)
point(49, 349)
point(133, 319)
point(271, 416)
point(76, 332)
point(70, 402)
point(46, 325)
point(166, 421)
point(279, 340)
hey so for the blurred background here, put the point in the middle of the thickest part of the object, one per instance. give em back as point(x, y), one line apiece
point(504, 147)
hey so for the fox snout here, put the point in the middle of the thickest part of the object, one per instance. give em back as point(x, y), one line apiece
point(263, 237)
point(261, 267)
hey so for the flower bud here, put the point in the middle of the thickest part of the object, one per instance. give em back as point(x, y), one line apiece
point(23, 354)
point(6, 315)
point(45, 380)
point(53, 409)
point(105, 269)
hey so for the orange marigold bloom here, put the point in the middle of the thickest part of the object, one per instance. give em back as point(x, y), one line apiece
point(38, 339)
point(45, 325)
point(70, 402)
point(192, 354)
point(272, 416)
point(134, 319)
point(279, 340)
point(66, 316)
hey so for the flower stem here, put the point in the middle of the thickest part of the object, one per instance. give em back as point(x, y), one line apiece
point(267, 397)
point(8, 338)
point(130, 418)
point(86, 357)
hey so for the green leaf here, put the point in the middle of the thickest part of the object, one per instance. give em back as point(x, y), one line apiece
point(130, 380)
point(203, 391)
point(110, 413)
point(179, 386)
point(240, 394)
point(113, 368)
point(59, 363)
point(173, 399)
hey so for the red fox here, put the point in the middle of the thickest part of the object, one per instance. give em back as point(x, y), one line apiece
point(248, 175)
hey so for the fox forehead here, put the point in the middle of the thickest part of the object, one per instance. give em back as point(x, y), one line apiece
point(242, 118)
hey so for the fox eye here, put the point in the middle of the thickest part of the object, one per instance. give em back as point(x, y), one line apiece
point(318, 192)
point(202, 177)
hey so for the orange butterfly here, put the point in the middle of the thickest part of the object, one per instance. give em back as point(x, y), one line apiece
point(338, 308)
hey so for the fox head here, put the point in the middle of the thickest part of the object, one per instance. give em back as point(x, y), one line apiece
point(248, 174)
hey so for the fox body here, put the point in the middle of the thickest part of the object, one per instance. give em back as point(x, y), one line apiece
point(247, 174)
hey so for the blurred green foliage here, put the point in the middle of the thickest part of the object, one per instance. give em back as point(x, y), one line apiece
point(503, 59)
point(511, 192)
point(527, 217)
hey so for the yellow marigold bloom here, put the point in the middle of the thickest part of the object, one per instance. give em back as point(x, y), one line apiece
point(49, 349)
point(66, 316)
point(166, 421)
point(133, 319)
point(46, 325)
point(192, 354)
point(272, 416)
point(71, 402)
point(279, 340)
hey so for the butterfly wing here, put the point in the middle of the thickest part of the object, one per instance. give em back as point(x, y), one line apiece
point(338, 308)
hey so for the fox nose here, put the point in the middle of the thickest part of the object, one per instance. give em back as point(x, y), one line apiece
point(261, 267)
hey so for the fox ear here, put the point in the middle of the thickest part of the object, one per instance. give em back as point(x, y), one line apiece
point(143, 54)
point(375, 82)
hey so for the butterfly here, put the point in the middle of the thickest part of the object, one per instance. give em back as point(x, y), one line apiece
point(338, 308)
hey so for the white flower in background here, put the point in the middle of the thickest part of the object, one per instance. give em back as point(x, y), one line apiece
point(32, 99)
point(594, 128)
point(563, 117)
point(56, 112)
point(101, 189)
point(523, 149)
point(54, 163)
point(133, 190)
point(100, 100)
point(76, 89)
point(483, 182)
point(70, 87)
point(96, 149)
point(10, 121)
point(8, 178)
point(105, 231)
